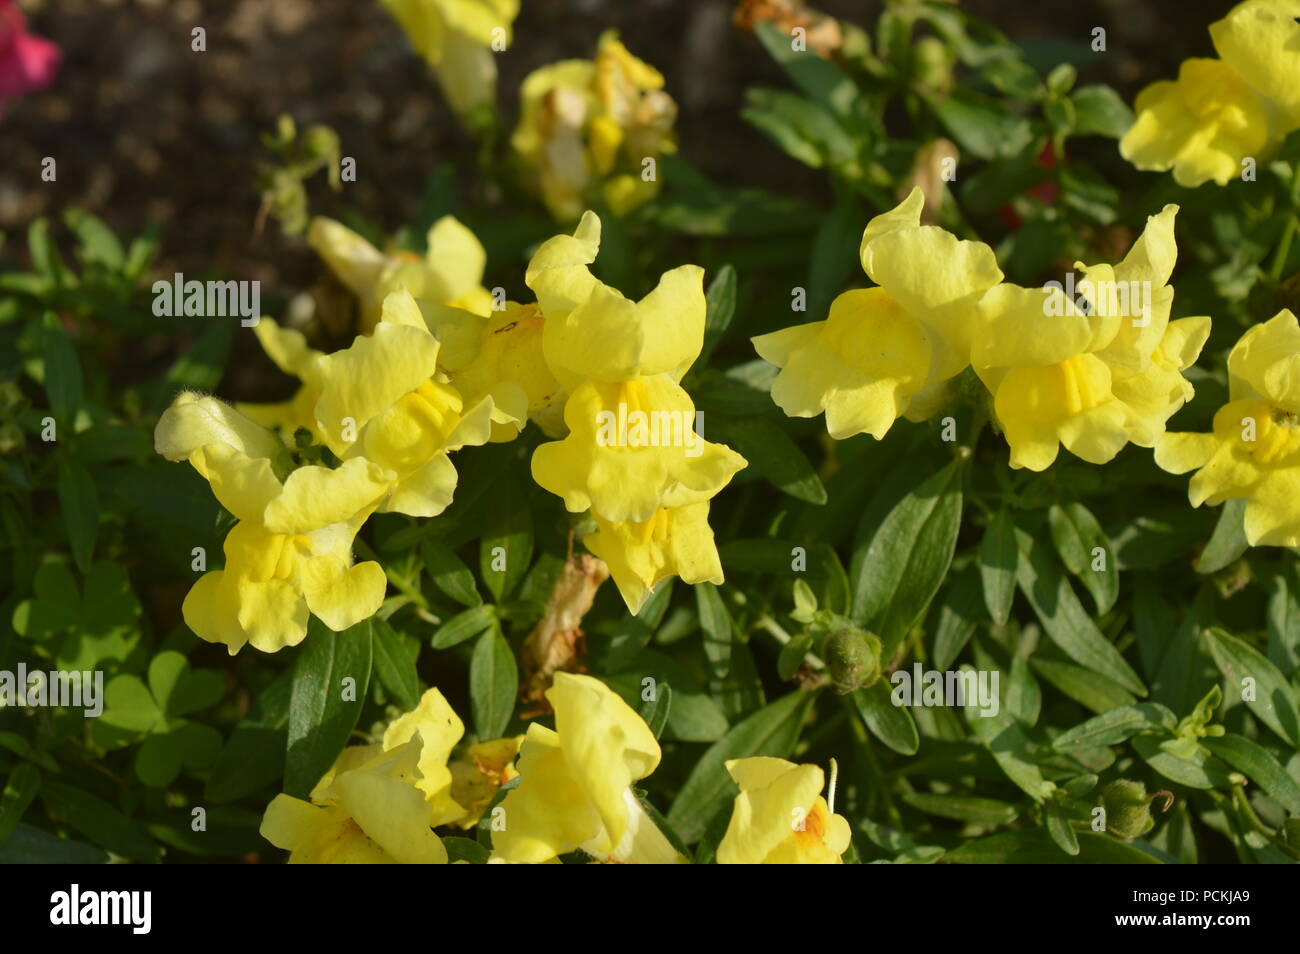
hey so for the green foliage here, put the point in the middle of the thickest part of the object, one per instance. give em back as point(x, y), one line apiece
point(1177, 670)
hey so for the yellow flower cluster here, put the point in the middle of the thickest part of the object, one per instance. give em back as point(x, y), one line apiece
point(1253, 452)
point(458, 39)
point(633, 454)
point(380, 802)
point(588, 126)
point(1092, 372)
point(572, 791)
point(1221, 112)
point(437, 372)
point(429, 378)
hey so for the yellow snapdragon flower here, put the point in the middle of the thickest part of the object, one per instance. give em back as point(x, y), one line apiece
point(584, 123)
point(575, 783)
point(1201, 126)
point(450, 273)
point(633, 454)
point(1253, 452)
point(1092, 378)
point(1260, 40)
point(291, 353)
point(885, 352)
point(660, 462)
point(380, 400)
point(478, 772)
point(498, 357)
point(290, 554)
point(640, 555)
point(780, 817)
point(455, 37)
point(370, 815)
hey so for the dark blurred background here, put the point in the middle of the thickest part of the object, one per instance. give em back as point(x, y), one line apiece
point(147, 132)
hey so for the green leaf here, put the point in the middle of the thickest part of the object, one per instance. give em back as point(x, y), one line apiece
point(98, 243)
point(998, 559)
point(891, 724)
point(898, 573)
point(63, 382)
point(1228, 542)
point(395, 664)
point(719, 631)
point(254, 755)
point(1089, 689)
point(720, 302)
point(507, 546)
point(493, 684)
point(981, 127)
point(772, 730)
point(97, 820)
point(959, 613)
point(1038, 848)
point(79, 501)
point(1006, 741)
point(44, 253)
point(655, 712)
point(465, 849)
point(1274, 700)
point(32, 846)
point(320, 718)
point(23, 783)
point(449, 573)
point(1258, 764)
point(1117, 725)
point(1078, 536)
point(464, 625)
point(771, 453)
point(964, 808)
point(1284, 619)
point(817, 77)
point(1100, 111)
point(1200, 770)
point(1064, 619)
point(1059, 828)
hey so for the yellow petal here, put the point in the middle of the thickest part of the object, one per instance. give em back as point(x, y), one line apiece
point(357, 263)
point(193, 421)
point(374, 373)
point(393, 814)
point(315, 496)
point(456, 260)
point(558, 272)
point(1265, 363)
point(631, 449)
point(342, 596)
point(1260, 39)
point(606, 337)
point(673, 542)
point(439, 729)
point(935, 276)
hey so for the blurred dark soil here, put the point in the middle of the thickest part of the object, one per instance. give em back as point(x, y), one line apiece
point(145, 131)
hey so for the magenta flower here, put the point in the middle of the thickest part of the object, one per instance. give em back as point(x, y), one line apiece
point(27, 63)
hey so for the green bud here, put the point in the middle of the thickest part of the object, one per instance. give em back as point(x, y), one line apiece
point(1128, 808)
point(852, 658)
point(931, 65)
point(1291, 835)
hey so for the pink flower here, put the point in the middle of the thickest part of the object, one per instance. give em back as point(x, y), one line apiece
point(27, 63)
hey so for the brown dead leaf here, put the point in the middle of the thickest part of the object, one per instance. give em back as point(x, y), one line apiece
point(555, 644)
